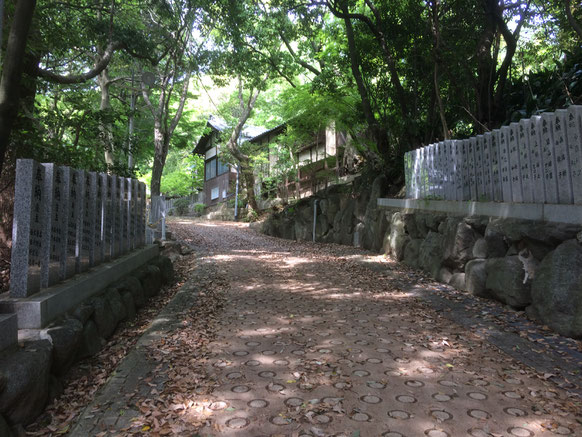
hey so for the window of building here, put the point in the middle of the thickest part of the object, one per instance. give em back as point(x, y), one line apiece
point(211, 169)
point(214, 193)
point(222, 167)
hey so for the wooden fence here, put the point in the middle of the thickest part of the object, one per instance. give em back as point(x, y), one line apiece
point(538, 160)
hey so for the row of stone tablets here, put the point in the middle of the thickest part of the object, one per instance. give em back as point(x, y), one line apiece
point(538, 160)
point(67, 221)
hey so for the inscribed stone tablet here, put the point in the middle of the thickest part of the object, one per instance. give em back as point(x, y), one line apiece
point(564, 179)
point(449, 162)
point(548, 158)
point(75, 222)
point(107, 192)
point(408, 174)
point(535, 154)
point(514, 164)
point(485, 143)
point(416, 174)
point(495, 165)
point(458, 169)
point(423, 173)
point(574, 129)
point(98, 220)
point(524, 160)
point(114, 250)
point(119, 217)
point(431, 170)
point(126, 212)
point(60, 221)
point(27, 236)
point(143, 192)
point(504, 166)
point(49, 270)
point(479, 169)
point(89, 212)
point(466, 168)
point(473, 182)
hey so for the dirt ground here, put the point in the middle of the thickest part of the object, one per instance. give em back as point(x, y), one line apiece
point(299, 339)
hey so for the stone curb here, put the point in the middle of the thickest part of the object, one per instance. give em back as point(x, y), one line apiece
point(109, 408)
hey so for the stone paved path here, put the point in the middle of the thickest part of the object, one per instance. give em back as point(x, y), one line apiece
point(314, 344)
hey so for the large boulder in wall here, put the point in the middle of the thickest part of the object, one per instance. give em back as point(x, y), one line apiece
point(411, 252)
point(505, 281)
point(557, 289)
point(431, 253)
point(544, 232)
point(64, 338)
point(24, 381)
point(398, 236)
point(459, 241)
point(476, 278)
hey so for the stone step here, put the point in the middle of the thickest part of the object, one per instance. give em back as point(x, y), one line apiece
point(8, 330)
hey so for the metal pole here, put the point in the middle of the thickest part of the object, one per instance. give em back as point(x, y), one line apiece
point(314, 217)
point(236, 194)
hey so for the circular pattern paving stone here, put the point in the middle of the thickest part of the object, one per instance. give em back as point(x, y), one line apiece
point(399, 414)
point(478, 382)
point(478, 432)
point(336, 342)
point(512, 395)
point(253, 343)
point(375, 384)
point(234, 375)
point(374, 360)
point(406, 399)
point(322, 419)
point(562, 430)
point(402, 360)
point(240, 353)
point(298, 352)
point(446, 383)
point(436, 433)
point(342, 385)
point(258, 403)
point(324, 351)
point(441, 397)
point(361, 342)
point(478, 396)
point(240, 389)
point(281, 362)
point(294, 402)
point(280, 421)
point(253, 363)
point(237, 423)
point(441, 415)
point(360, 417)
point(344, 361)
point(382, 350)
point(268, 352)
point(218, 405)
point(479, 414)
point(513, 381)
point(371, 399)
point(392, 434)
point(414, 383)
point(520, 432)
point(515, 412)
point(275, 387)
point(267, 374)
point(361, 373)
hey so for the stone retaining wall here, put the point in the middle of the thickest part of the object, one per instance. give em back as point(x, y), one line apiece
point(486, 256)
point(30, 373)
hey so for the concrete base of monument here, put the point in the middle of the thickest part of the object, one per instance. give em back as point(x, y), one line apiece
point(543, 212)
point(37, 311)
point(8, 330)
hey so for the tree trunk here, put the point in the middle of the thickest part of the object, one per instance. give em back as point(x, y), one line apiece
point(161, 146)
point(105, 126)
point(12, 71)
